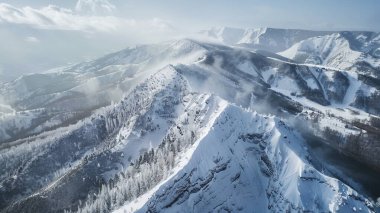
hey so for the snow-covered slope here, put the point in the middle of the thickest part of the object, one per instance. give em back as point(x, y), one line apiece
point(270, 39)
point(331, 50)
point(344, 50)
point(248, 161)
point(54, 99)
point(185, 126)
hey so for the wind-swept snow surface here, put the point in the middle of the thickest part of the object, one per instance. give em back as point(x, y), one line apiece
point(250, 162)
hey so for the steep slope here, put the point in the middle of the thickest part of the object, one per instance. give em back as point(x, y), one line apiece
point(324, 97)
point(248, 161)
point(353, 54)
point(112, 137)
point(50, 100)
point(345, 50)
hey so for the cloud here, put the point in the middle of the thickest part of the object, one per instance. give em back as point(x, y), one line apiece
point(54, 17)
point(161, 24)
point(85, 17)
point(94, 7)
point(32, 39)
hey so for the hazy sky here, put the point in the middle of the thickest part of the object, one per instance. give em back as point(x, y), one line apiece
point(42, 34)
point(311, 14)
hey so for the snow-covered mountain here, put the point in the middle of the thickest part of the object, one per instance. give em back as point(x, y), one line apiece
point(270, 39)
point(344, 50)
point(39, 102)
point(189, 126)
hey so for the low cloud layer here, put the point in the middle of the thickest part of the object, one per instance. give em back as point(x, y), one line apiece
point(94, 7)
point(54, 17)
point(88, 16)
